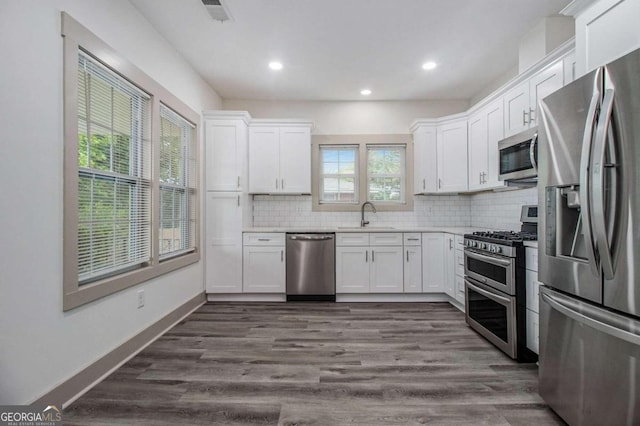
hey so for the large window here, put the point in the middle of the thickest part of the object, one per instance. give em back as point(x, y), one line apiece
point(130, 173)
point(351, 169)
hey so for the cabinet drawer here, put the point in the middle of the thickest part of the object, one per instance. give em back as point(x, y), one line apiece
point(263, 239)
point(412, 239)
point(385, 239)
point(352, 239)
point(531, 258)
point(533, 290)
point(459, 240)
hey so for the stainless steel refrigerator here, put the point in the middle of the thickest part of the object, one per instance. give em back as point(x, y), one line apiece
point(589, 246)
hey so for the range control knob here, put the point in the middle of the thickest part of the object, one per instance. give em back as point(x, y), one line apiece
point(498, 249)
point(483, 246)
point(475, 244)
point(492, 248)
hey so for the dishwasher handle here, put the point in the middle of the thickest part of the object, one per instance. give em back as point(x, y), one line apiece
point(311, 238)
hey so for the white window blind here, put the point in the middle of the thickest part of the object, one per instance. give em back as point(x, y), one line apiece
point(386, 173)
point(114, 173)
point(177, 184)
point(338, 174)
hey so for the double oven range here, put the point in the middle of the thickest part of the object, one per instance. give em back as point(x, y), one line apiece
point(495, 285)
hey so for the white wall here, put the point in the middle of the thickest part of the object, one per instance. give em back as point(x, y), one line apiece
point(500, 210)
point(41, 346)
point(348, 118)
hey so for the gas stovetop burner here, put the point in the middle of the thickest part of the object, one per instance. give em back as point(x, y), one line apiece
point(505, 236)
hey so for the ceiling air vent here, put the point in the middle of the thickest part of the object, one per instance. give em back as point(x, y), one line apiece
point(218, 10)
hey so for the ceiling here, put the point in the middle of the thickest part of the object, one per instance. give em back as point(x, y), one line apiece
point(331, 49)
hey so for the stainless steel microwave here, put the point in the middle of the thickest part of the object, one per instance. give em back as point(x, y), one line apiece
point(519, 156)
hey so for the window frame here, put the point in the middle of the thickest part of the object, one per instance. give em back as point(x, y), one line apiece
point(75, 37)
point(401, 175)
point(362, 141)
point(322, 176)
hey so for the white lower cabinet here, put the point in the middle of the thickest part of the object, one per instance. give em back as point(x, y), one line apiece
point(386, 270)
point(433, 263)
point(413, 269)
point(263, 264)
point(533, 295)
point(376, 267)
point(450, 265)
point(352, 269)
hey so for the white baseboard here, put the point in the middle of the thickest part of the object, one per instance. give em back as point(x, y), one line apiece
point(247, 297)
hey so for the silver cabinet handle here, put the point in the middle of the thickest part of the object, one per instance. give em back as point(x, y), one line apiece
point(407, 256)
point(276, 183)
point(585, 193)
point(238, 201)
point(439, 183)
point(480, 178)
point(373, 256)
point(366, 256)
point(450, 243)
point(264, 239)
point(532, 118)
point(524, 118)
point(238, 181)
point(281, 255)
point(424, 185)
point(282, 186)
point(413, 239)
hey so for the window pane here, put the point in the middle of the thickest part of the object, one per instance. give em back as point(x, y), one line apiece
point(177, 207)
point(385, 160)
point(113, 152)
point(385, 189)
point(338, 170)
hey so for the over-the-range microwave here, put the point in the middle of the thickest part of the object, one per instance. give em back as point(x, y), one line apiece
point(519, 156)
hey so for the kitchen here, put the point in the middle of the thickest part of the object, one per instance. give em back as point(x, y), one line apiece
point(447, 185)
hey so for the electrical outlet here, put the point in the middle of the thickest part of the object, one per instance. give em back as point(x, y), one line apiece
point(140, 298)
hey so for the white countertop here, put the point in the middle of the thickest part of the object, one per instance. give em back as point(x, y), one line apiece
point(447, 229)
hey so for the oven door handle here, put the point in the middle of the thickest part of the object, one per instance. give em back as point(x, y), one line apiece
point(500, 299)
point(488, 259)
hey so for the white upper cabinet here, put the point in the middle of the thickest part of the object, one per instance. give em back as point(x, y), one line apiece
point(452, 157)
point(569, 68)
point(226, 150)
point(605, 31)
point(543, 84)
point(279, 158)
point(520, 103)
point(486, 128)
point(425, 173)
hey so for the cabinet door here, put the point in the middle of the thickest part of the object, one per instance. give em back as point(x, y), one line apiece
point(533, 331)
point(264, 160)
point(432, 263)
point(542, 85)
point(478, 150)
point(516, 109)
point(495, 133)
point(413, 269)
point(386, 270)
point(295, 160)
point(264, 269)
point(223, 267)
point(225, 148)
point(449, 265)
point(425, 171)
point(352, 269)
point(452, 157)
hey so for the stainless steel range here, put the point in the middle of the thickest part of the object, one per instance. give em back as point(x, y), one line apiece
point(495, 288)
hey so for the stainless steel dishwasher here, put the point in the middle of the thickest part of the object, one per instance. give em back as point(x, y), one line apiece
point(311, 272)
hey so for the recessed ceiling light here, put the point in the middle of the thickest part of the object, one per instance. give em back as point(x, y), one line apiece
point(429, 66)
point(365, 92)
point(275, 65)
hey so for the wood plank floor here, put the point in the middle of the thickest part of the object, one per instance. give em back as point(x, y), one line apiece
point(318, 364)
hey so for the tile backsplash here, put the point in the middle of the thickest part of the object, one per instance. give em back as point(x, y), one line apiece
point(491, 210)
point(295, 211)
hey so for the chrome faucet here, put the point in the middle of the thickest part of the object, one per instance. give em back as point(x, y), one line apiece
point(363, 222)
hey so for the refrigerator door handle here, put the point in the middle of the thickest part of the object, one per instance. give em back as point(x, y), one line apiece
point(598, 182)
point(610, 326)
point(585, 199)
